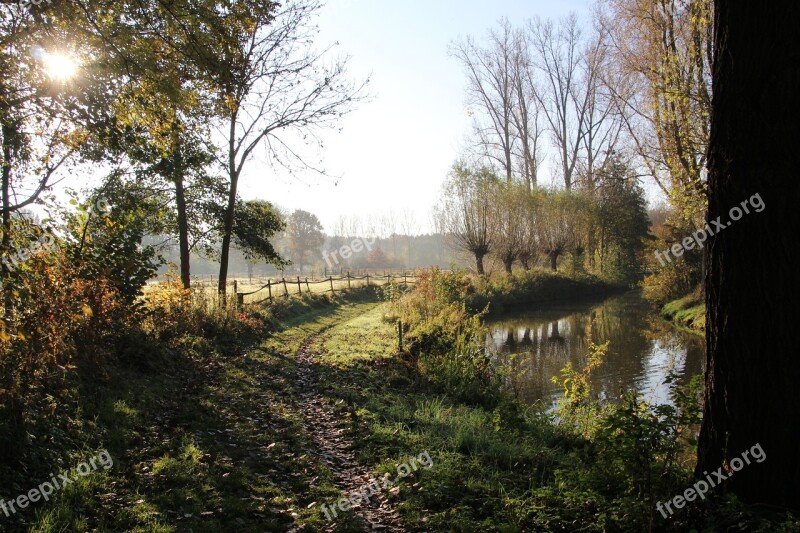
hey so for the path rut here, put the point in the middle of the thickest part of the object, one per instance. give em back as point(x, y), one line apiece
point(335, 449)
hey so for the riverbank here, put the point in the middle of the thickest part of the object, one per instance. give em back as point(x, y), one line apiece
point(536, 287)
point(688, 313)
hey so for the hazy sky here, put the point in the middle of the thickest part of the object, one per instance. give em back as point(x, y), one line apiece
point(395, 151)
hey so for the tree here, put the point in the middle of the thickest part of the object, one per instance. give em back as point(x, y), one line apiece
point(275, 85)
point(563, 223)
point(564, 99)
point(305, 236)
point(623, 222)
point(492, 88)
point(38, 136)
point(532, 219)
point(752, 369)
point(465, 211)
point(508, 214)
point(659, 77)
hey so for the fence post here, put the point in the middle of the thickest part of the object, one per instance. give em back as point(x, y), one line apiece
point(331, 280)
point(308, 287)
point(299, 287)
point(348, 279)
point(400, 335)
point(269, 288)
point(367, 279)
point(285, 288)
point(404, 279)
point(240, 301)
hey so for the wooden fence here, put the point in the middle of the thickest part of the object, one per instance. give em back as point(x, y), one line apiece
point(404, 279)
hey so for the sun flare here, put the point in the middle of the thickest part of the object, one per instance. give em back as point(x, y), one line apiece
point(60, 66)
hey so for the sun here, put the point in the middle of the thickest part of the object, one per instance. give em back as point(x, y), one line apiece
point(60, 66)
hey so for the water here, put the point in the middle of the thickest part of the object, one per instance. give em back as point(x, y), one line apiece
point(643, 348)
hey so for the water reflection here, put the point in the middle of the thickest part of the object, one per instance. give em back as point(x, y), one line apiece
point(537, 344)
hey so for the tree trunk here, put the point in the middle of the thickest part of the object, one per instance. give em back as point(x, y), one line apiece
point(553, 261)
point(479, 263)
point(9, 133)
point(752, 368)
point(230, 212)
point(183, 229)
point(508, 264)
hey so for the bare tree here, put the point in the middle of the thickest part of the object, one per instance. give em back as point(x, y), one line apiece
point(275, 85)
point(527, 112)
point(409, 227)
point(558, 54)
point(491, 88)
point(602, 125)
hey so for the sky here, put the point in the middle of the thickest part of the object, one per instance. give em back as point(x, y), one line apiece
point(394, 152)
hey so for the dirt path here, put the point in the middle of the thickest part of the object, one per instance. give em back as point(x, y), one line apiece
point(335, 450)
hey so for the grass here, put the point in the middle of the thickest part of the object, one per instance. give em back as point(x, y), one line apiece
point(688, 313)
point(210, 437)
point(202, 440)
point(481, 467)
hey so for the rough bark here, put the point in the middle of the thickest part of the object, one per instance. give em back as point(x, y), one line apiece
point(752, 338)
point(479, 263)
point(553, 260)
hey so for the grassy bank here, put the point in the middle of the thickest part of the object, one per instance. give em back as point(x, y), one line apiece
point(688, 313)
point(536, 287)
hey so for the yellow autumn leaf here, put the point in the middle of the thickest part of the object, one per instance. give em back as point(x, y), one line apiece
point(4, 336)
point(87, 310)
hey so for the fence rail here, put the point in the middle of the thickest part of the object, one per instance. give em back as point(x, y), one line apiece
point(285, 287)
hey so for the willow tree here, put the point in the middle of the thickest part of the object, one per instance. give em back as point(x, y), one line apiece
point(465, 211)
point(509, 203)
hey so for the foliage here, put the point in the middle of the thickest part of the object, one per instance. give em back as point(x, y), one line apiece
point(661, 57)
point(256, 223)
point(66, 313)
point(304, 231)
point(576, 407)
point(534, 286)
point(446, 339)
point(623, 222)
